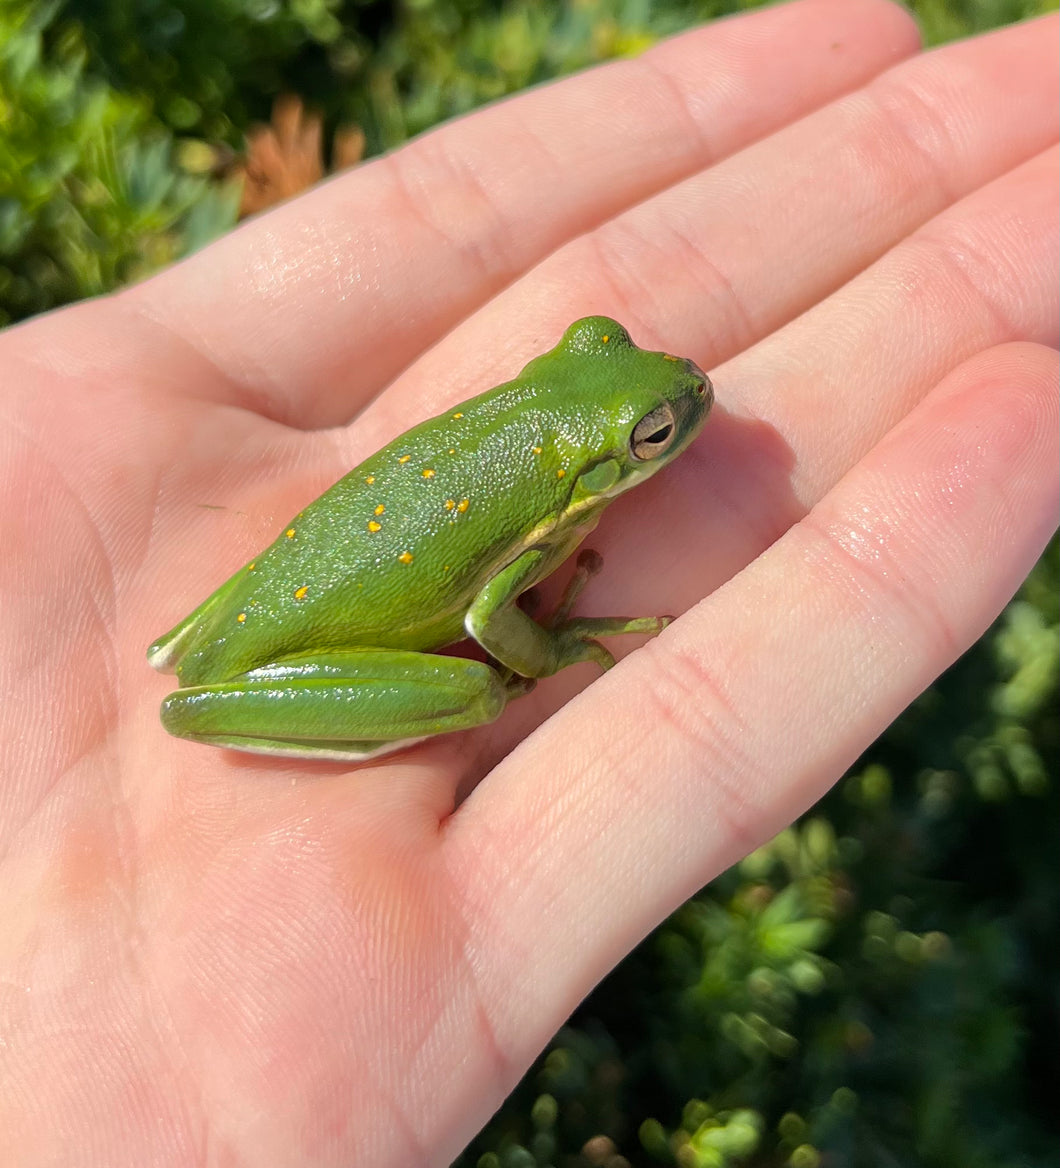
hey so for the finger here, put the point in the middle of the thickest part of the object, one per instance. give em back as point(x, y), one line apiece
point(743, 713)
point(310, 309)
point(799, 409)
point(723, 259)
point(802, 406)
point(980, 274)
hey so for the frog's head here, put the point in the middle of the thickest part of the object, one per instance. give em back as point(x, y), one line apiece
point(637, 409)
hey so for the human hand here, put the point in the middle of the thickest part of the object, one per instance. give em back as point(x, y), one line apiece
point(217, 958)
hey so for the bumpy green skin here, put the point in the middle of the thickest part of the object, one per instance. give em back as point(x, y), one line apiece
point(320, 646)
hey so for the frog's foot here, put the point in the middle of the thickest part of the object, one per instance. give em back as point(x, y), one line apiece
point(587, 565)
point(348, 705)
point(529, 649)
point(515, 685)
point(584, 631)
point(576, 640)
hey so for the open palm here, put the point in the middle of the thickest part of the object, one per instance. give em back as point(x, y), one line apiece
point(215, 958)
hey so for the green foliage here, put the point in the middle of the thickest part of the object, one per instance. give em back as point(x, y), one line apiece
point(396, 68)
point(945, 20)
point(89, 196)
point(212, 66)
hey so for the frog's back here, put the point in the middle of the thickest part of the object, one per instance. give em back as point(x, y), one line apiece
point(392, 555)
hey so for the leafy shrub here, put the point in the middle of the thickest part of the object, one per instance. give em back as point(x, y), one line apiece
point(89, 195)
point(394, 68)
point(213, 66)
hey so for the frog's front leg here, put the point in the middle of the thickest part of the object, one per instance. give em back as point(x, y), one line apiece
point(347, 705)
point(527, 648)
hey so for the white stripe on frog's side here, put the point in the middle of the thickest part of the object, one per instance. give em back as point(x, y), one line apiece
point(293, 750)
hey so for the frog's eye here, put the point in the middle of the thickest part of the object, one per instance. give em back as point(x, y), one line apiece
point(653, 434)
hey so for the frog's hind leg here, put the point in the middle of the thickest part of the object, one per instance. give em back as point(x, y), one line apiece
point(348, 705)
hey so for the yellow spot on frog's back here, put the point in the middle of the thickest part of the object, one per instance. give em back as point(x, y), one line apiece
point(463, 505)
point(299, 593)
point(605, 338)
point(369, 479)
point(289, 533)
point(242, 618)
point(450, 504)
point(404, 458)
point(428, 473)
point(405, 557)
point(251, 567)
point(452, 450)
point(373, 526)
point(536, 449)
point(380, 509)
point(670, 357)
point(561, 473)
point(457, 416)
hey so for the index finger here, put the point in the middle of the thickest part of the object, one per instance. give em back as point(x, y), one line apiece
point(366, 272)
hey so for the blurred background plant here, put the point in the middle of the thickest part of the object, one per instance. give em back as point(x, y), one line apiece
point(878, 985)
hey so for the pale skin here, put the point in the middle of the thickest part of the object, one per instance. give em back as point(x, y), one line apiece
point(210, 958)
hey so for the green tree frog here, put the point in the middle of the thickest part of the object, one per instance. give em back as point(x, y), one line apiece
point(325, 645)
